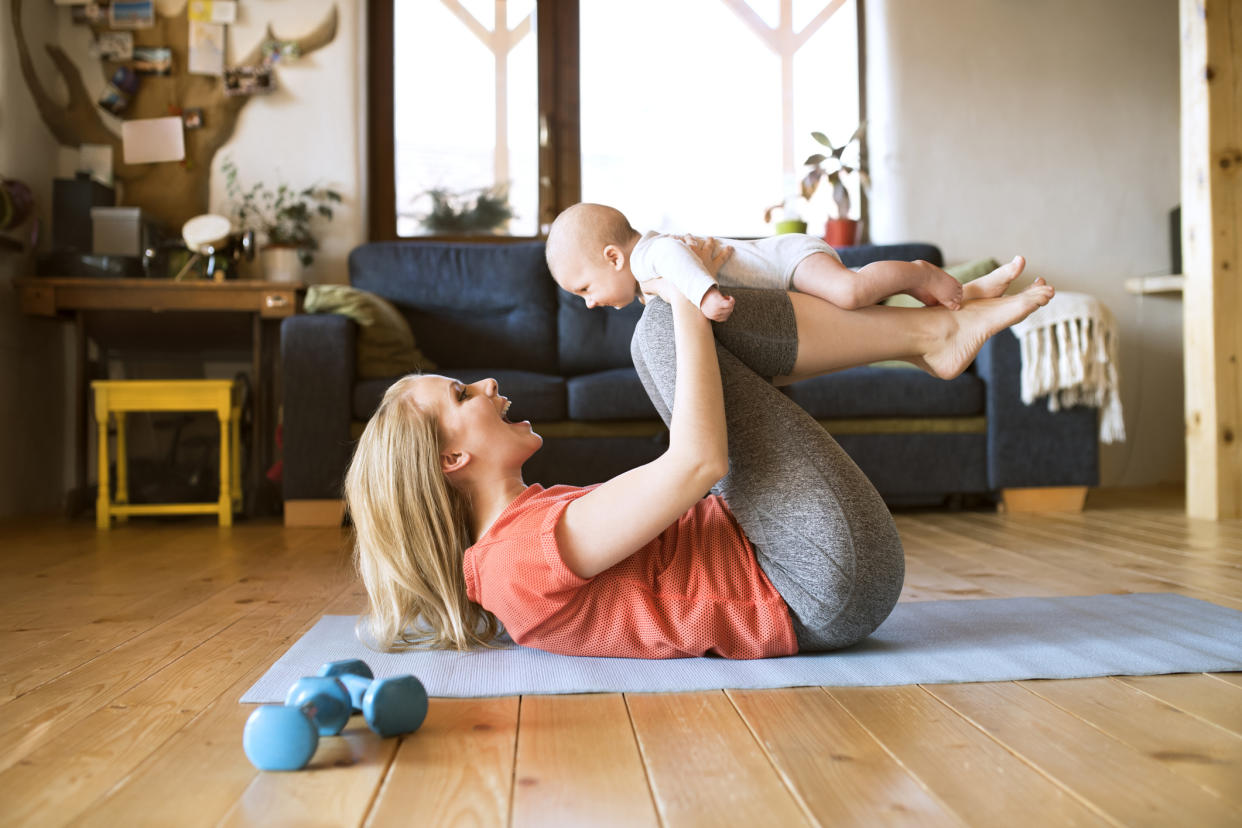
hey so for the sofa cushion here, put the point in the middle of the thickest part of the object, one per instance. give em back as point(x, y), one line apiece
point(536, 397)
point(888, 392)
point(593, 340)
point(864, 254)
point(472, 304)
point(616, 394)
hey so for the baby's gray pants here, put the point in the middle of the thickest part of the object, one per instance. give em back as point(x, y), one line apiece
point(821, 533)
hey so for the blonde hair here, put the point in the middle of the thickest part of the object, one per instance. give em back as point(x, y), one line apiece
point(583, 231)
point(411, 530)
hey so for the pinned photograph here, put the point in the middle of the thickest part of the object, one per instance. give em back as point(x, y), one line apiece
point(114, 46)
point(152, 60)
point(120, 90)
point(192, 118)
point(249, 80)
point(126, 14)
point(206, 48)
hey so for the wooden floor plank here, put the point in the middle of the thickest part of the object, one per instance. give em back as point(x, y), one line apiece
point(1201, 752)
point(199, 774)
point(1125, 784)
point(456, 770)
point(705, 767)
point(575, 743)
point(1199, 695)
point(959, 763)
point(838, 771)
point(64, 776)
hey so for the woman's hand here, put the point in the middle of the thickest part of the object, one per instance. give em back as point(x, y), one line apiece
point(711, 252)
point(661, 287)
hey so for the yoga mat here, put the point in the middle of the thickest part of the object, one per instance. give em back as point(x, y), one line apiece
point(929, 642)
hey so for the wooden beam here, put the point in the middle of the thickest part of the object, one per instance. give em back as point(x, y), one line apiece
point(1211, 170)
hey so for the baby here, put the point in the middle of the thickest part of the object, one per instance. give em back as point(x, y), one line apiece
point(593, 252)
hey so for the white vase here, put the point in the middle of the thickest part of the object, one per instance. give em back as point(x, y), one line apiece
point(281, 264)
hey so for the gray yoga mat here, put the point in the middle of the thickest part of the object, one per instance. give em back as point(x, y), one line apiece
point(931, 642)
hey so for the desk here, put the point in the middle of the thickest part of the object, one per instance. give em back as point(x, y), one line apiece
point(263, 304)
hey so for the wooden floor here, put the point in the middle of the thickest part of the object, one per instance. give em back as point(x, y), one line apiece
point(124, 654)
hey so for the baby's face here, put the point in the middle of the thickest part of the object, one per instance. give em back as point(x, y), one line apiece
point(598, 284)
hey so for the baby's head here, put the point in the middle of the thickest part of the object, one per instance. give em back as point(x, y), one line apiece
point(588, 252)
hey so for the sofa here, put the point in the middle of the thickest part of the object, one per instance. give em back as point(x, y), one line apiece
point(492, 310)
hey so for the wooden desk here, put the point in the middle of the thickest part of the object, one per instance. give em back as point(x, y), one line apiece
point(263, 303)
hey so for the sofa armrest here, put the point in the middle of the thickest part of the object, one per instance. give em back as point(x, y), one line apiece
point(1028, 445)
point(317, 373)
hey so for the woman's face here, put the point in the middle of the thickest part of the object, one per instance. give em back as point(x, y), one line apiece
point(472, 420)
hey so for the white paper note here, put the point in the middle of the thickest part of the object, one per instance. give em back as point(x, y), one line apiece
point(206, 48)
point(213, 11)
point(152, 140)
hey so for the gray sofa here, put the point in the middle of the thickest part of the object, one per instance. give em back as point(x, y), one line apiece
point(481, 310)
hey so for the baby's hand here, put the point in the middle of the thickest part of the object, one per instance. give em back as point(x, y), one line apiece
point(716, 306)
point(711, 253)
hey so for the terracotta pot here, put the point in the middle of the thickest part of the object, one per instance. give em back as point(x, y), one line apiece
point(841, 232)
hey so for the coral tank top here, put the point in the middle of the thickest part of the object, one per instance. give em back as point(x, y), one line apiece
point(696, 589)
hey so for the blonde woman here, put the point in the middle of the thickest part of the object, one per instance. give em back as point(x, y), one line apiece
point(792, 550)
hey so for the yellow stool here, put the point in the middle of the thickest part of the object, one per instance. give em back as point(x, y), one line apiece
point(118, 397)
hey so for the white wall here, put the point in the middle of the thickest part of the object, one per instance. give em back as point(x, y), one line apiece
point(35, 425)
point(1048, 129)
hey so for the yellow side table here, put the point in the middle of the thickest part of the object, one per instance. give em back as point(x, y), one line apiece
point(119, 397)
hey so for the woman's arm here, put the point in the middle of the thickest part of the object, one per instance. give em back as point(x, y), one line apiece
point(615, 520)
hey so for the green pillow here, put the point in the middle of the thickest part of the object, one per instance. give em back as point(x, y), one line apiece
point(385, 342)
point(966, 272)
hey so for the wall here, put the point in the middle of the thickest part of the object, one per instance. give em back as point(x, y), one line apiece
point(1048, 129)
point(35, 431)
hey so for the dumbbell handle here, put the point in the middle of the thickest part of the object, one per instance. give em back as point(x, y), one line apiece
point(357, 687)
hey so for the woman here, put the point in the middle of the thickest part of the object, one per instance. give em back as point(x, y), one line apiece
point(793, 550)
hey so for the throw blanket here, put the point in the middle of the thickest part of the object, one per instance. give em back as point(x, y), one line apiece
point(1069, 351)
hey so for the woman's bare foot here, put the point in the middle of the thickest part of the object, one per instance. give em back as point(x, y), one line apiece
point(995, 283)
point(977, 322)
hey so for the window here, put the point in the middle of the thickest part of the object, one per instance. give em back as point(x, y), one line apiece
point(688, 116)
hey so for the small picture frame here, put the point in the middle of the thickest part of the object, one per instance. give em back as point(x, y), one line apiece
point(192, 118)
point(152, 60)
point(131, 14)
point(249, 80)
point(115, 45)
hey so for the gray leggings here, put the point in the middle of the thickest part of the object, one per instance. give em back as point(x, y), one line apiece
point(821, 533)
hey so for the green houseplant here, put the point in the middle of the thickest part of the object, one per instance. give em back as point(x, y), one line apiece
point(841, 230)
point(283, 215)
point(483, 210)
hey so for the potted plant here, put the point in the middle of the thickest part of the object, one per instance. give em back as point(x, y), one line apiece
point(841, 230)
point(790, 220)
point(483, 210)
point(283, 217)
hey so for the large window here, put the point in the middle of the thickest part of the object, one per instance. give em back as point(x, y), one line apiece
point(691, 115)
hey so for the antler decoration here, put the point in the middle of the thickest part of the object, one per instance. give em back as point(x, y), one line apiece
point(169, 192)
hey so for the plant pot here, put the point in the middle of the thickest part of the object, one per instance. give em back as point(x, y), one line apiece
point(791, 226)
point(841, 232)
point(281, 264)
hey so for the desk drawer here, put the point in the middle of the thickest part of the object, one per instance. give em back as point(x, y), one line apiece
point(278, 303)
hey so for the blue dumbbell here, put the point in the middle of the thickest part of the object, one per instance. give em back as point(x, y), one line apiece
point(391, 706)
point(284, 737)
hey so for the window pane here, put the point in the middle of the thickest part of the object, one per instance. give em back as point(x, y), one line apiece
point(685, 124)
point(465, 108)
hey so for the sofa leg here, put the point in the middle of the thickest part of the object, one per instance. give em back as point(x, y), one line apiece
point(1044, 499)
point(314, 512)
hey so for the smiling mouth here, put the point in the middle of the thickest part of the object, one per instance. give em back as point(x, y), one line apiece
point(504, 412)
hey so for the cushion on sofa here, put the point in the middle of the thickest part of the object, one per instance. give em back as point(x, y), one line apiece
point(385, 343)
point(536, 397)
point(472, 304)
point(876, 392)
point(615, 394)
point(593, 340)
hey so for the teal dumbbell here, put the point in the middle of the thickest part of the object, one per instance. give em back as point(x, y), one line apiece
point(391, 706)
point(285, 737)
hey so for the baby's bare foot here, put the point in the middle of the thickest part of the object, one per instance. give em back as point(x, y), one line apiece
point(995, 283)
point(977, 322)
point(937, 288)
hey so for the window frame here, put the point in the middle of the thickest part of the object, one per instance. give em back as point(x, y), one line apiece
point(560, 165)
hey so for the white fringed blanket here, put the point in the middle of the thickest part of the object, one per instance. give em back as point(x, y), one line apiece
point(1069, 352)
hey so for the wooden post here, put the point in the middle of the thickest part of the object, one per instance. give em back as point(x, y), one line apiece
point(1211, 86)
